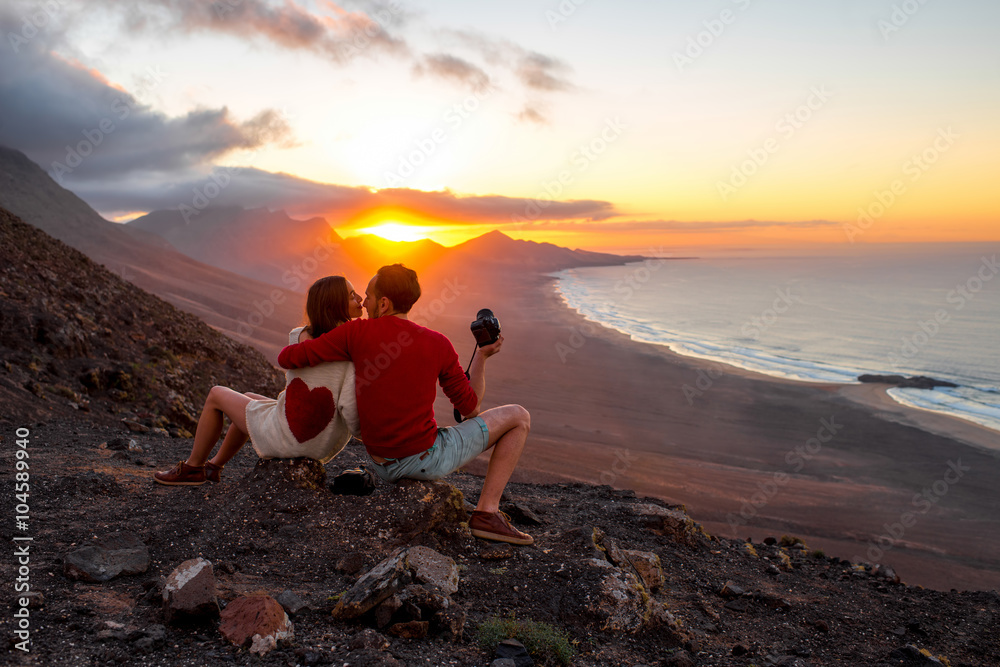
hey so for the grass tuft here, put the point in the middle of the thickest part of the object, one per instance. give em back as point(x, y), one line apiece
point(546, 643)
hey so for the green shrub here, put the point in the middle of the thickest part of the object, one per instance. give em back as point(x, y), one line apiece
point(545, 643)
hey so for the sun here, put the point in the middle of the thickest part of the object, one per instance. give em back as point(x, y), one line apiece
point(396, 231)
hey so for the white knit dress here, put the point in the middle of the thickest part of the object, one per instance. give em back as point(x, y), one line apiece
point(314, 416)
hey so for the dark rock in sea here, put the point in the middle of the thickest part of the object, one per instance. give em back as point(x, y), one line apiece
point(915, 382)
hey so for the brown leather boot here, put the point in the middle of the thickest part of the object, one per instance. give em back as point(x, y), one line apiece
point(181, 475)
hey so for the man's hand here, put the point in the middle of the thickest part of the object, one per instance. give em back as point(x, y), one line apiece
point(489, 350)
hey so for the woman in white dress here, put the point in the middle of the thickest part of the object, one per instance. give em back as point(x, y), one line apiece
point(314, 416)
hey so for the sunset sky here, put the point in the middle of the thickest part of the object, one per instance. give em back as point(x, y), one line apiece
point(670, 125)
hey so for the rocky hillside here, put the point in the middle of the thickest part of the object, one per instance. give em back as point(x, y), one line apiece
point(76, 337)
point(271, 567)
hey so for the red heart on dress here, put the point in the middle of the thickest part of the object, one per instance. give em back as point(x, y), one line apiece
point(308, 411)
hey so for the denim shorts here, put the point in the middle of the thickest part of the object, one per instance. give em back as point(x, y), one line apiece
point(453, 448)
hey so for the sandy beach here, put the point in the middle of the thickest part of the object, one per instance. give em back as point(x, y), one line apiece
point(842, 467)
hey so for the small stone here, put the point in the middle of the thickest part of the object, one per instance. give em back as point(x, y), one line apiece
point(739, 650)
point(770, 541)
point(731, 590)
point(291, 602)
point(409, 630)
point(189, 592)
point(515, 650)
point(522, 514)
point(503, 662)
point(135, 426)
point(822, 626)
point(900, 631)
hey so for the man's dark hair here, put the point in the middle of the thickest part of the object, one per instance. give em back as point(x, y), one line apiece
point(398, 284)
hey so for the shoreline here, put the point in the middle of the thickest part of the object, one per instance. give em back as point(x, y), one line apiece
point(933, 421)
point(607, 409)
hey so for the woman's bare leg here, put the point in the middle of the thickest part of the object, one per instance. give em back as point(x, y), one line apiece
point(220, 401)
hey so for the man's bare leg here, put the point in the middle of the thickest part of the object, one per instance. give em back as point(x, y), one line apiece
point(509, 426)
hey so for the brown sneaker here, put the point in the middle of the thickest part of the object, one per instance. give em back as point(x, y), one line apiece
point(213, 473)
point(181, 475)
point(496, 526)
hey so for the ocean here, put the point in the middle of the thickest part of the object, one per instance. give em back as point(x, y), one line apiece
point(909, 311)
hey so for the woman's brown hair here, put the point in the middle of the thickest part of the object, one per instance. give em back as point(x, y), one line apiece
point(326, 305)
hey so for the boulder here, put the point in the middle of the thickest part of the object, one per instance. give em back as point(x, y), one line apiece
point(258, 620)
point(404, 566)
point(189, 593)
point(622, 602)
point(647, 565)
point(430, 567)
point(115, 555)
point(377, 585)
point(671, 522)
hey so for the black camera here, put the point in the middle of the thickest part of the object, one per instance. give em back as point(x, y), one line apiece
point(486, 328)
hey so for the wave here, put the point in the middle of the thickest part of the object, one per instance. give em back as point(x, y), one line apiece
point(973, 400)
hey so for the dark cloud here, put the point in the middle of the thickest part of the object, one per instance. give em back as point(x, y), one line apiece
point(252, 188)
point(451, 67)
point(536, 71)
point(339, 34)
point(540, 72)
point(626, 226)
point(80, 127)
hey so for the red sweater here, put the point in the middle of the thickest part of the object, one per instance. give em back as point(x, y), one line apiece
point(397, 366)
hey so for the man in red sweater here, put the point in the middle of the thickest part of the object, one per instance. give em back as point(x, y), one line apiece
point(397, 365)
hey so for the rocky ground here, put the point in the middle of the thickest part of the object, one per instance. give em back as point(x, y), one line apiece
point(75, 338)
point(589, 575)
